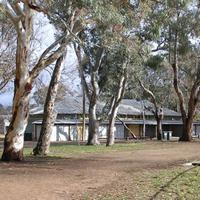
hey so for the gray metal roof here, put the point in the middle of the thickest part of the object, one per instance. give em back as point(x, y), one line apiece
point(70, 105)
point(145, 103)
point(73, 105)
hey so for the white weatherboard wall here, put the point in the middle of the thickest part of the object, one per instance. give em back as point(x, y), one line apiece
point(59, 133)
point(119, 132)
point(102, 131)
point(73, 132)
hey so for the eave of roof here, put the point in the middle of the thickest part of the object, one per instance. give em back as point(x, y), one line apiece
point(127, 122)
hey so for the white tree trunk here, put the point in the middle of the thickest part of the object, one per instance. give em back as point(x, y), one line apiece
point(115, 101)
point(14, 139)
point(111, 128)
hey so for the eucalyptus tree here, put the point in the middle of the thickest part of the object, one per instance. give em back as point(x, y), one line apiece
point(90, 66)
point(21, 14)
point(128, 60)
point(114, 23)
point(114, 78)
point(157, 110)
point(173, 27)
point(66, 17)
point(106, 21)
point(155, 81)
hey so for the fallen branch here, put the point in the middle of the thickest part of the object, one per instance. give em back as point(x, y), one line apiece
point(130, 131)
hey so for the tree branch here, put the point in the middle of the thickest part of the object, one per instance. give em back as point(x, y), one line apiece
point(44, 62)
point(80, 69)
point(152, 96)
point(176, 85)
point(17, 9)
point(99, 58)
point(10, 14)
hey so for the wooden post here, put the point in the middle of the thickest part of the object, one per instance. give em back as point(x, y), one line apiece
point(83, 125)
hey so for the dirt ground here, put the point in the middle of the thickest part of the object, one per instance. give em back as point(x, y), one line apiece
point(88, 176)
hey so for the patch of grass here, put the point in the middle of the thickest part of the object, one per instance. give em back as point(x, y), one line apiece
point(165, 184)
point(27, 151)
point(62, 150)
point(177, 184)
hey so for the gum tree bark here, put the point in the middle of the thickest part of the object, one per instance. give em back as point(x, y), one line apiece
point(115, 101)
point(93, 97)
point(49, 116)
point(92, 93)
point(14, 139)
point(187, 116)
point(93, 123)
point(20, 12)
point(157, 111)
point(194, 99)
point(73, 28)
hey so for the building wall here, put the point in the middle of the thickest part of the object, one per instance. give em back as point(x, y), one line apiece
point(30, 127)
point(119, 132)
point(196, 130)
point(4, 123)
point(135, 129)
point(2, 126)
point(176, 129)
point(60, 133)
point(150, 131)
point(74, 132)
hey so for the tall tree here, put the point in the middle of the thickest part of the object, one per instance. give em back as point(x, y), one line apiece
point(114, 105)
point(92, 65)
point(176, 38)
point(126, 59)
point(49, 116)
point(113, 80)
point(105, 19)
point(21, 15)
point(175, 32)
point(157, 111)
point(66, 17)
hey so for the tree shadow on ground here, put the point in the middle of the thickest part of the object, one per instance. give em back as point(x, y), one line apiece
point(163, 188)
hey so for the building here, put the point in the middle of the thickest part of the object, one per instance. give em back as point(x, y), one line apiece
point(4, 123)
point(132, 118)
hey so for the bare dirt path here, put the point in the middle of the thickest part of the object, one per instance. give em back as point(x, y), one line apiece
point(86, 175)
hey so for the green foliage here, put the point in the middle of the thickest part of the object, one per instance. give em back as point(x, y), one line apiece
point(158, 32)
point(155, 62)
point(113, 68)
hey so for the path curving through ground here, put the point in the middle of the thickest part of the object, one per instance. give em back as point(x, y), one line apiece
point(88, 176)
